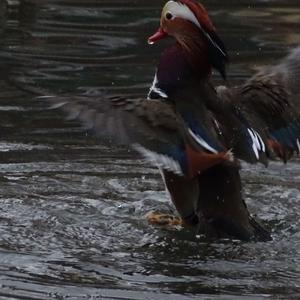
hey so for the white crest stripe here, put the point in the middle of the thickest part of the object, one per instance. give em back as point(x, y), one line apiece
point(156, 90)
point(202, 142)
point(298, 144)
point(262, 144)
point(254, 143)
point(181, 10)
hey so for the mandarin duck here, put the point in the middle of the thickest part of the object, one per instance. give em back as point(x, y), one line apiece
point(196, 133)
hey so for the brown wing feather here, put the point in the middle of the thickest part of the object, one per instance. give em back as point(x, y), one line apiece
point(267, 106)
point(152, 127)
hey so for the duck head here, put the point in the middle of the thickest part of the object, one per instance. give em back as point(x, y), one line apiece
point(188, 22)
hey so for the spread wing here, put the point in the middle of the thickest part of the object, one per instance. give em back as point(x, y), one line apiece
point(264, 113)
point(151, 127)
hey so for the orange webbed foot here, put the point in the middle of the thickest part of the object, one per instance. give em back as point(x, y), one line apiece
point(157, 218)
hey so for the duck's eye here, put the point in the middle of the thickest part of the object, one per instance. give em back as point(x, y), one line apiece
point(169, 16)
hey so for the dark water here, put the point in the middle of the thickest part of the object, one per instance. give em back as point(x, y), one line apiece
point(72, 208)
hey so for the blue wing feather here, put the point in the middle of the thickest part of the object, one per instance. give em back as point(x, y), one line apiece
point(194, 124)
point(288, 136)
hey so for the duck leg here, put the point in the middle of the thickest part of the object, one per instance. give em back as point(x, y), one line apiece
point(221, 207)
point(184, 195)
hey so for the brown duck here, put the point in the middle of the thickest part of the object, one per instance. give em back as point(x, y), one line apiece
point(195, 133)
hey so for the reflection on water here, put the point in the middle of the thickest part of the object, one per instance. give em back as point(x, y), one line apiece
point(71, 211)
